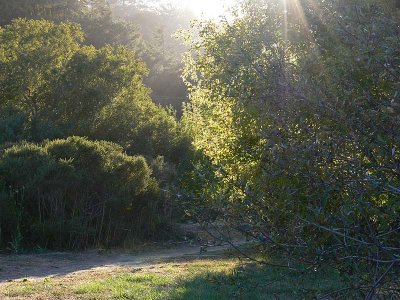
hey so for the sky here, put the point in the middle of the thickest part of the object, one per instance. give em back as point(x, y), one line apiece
point(213, 9)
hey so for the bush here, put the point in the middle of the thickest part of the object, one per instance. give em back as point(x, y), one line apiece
point(299, 133)
point(139, 125)
point(12, 125)
point(76, 193)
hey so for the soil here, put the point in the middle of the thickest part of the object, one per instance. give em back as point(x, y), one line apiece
point(59, 264)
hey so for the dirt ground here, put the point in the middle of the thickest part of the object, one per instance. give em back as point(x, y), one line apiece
point(61, 264)
point(40, 266)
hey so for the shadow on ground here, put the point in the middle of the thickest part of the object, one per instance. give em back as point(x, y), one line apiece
point(212, 280)
point(39, 266)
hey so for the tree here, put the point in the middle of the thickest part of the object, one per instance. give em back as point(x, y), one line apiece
point(39, 9)
point(59, 87)
point(94, 16)
point(32, 56)
point(93, 79)
point(158, 24)
point(295, 105)
point(133, 24)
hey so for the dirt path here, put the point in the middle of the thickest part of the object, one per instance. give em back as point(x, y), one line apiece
point(40, 266)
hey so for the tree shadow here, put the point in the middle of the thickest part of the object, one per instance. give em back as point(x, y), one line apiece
point(252, 281)
point(14, 267)
point(56, 264)
point(208, 277)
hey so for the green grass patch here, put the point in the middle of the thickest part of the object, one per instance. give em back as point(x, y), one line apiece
point(211, 279)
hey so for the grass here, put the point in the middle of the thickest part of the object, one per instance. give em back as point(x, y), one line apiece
point(209, 279)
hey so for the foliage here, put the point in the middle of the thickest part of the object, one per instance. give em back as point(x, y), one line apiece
point(94, 16)
point(158, 21)
point(99, 77)
point(296, 107)
point(77, 193)
point(138, 125)
point(145, 28)
point(55, 87)
point(13, 124)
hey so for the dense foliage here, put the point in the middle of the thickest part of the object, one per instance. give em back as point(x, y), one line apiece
point(76, 193)
point(53, 86)
point(94, 16)
point(295, 107)
point(147, 28)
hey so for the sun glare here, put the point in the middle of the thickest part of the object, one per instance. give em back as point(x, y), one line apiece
point(210, 9)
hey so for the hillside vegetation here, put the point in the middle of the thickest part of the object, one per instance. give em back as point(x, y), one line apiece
point(290, 130)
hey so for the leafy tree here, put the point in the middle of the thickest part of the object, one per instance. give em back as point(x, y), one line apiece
point(39, 9)
point(294, 109)
point(54, 85)
point(97, 77)
point(138, 125)
point(134, 24)
point(32, 56)
point(65, 88)
point(94, 16)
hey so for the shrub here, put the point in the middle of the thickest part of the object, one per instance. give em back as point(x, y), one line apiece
point(76, 193)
